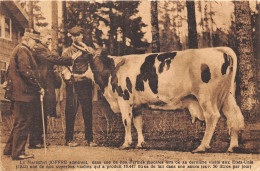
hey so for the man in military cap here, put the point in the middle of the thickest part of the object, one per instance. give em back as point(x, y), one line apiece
point(46, 59)
point(23, 89)
point(82, 89)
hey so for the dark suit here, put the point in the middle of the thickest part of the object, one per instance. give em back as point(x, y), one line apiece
point(82, 91)
point(46, 60)
point(24, 85)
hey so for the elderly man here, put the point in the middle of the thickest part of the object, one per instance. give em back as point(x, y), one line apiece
point(81, 89)
point(23, 88)
point(46, 60)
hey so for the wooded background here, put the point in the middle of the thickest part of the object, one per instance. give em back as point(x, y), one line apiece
point(117, 26)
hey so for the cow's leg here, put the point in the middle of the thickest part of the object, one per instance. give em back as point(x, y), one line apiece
point(126, 111)
point(138, 123)
point(235, 120)
point(212, 116)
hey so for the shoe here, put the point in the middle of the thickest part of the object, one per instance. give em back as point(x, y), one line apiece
point(72, 144)
point(7, 153)
point(91, 144)
point(23, 156)
point(37, 146)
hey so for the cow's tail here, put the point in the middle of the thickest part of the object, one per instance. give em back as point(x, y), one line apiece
point(232, 58)
point(231, 110)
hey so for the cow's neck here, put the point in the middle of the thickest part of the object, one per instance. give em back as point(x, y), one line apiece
point(102, 68)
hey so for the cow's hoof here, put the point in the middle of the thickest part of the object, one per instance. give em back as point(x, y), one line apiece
point(141, 146)
point(230, 150)
point(124, 147)
point(235, 150)
point(200, 149)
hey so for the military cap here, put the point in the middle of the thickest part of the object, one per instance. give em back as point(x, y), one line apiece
point(32, 34)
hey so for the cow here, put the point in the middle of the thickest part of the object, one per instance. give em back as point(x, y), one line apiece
point(201, 80)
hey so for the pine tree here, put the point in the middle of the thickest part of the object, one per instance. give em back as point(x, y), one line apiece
point(155, 27)
point(192, 25)
point(35, 14)
point(124, 30)
point(247, 62)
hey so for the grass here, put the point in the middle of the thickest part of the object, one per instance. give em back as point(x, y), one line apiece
point(169, 130)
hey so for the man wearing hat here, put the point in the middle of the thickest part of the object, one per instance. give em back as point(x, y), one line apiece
point(81, 90)
point(23, 89)
point(46, 60)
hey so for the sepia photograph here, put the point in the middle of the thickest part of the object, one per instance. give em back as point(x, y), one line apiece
point(129, 85)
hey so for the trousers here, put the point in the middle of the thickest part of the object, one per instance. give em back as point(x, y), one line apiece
point(23, 115)
point(82, 91)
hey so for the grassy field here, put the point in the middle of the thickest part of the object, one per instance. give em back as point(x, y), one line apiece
point(167, 130)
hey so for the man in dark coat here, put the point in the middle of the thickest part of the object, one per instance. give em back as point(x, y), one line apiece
point(23, 88)
point(46, 60)
point(80, 90)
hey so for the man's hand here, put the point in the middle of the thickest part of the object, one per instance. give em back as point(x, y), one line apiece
point(42, 92)
point(86, 48)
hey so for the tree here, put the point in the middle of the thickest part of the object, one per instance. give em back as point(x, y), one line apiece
point(155, 28)
point(166, 33)
point(170, 26)
point(124, 28)
point(247, 62)
point(54, 16)
point(35, 14)
point(192, 25)
point(206, 33)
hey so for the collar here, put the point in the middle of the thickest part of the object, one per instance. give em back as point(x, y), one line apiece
point(24, 44)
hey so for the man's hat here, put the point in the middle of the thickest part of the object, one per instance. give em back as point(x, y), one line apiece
point(76, 30)
point(32, 34)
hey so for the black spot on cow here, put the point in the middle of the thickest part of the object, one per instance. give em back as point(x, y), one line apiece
point(159, 103)
point(125, 122)
point(120, 91)
point(147, 72)
point(126, 95)
point(168, 62)
point(129, 84)
point(165, 58)
point(161, 66)
point(225, 64)
point(114, 79)
point(114, 83)
point(205, 73)
point(131, 105)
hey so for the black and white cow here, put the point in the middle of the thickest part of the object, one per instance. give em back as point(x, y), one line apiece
point(201, 80)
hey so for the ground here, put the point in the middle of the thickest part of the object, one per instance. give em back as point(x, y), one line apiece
point(170, 136)
point(102, 154)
